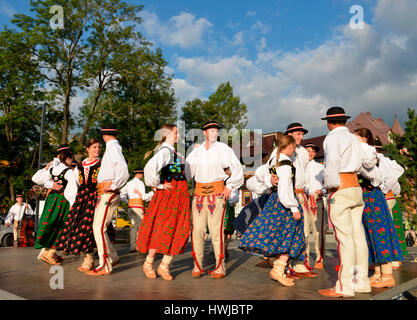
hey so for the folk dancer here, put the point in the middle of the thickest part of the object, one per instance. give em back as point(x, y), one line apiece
point(343, 159)
point(278, 231)
point(111, 178)
point(206, 165)
point(300, 160)
point(381, 237)
point(392, 171)
point(135, 195)
point(59, 177)
point(166, 226)
point(314, 218)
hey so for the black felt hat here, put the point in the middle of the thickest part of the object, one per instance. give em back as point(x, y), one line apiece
point(336, 113)
point(296, 126)
point(211, 124)
point(312, 145)
point(19, 195)
point(109, 129)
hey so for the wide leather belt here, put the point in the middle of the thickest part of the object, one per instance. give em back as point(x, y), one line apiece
point(300, 191)
point(137, 202)
point(206, 189)
point(347, 180)
point(102, 186)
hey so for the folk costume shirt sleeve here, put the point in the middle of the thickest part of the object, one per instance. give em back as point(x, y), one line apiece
point(300, 162)
point(343, 153)
point(43, 178)
point(71, 189)
point(285, 186)
point(234, 197)
point(369, 168)
point(388, 174)
point(141, 187)
point(236, 179)
point(123, 193)
point(13, 211)
point(113, 166)
point(160, 159)
point(262, 173)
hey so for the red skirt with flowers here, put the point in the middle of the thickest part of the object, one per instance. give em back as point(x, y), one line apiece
point(166, 225)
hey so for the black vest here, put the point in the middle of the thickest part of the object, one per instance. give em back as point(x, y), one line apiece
point(174, 170)
point(61, 179)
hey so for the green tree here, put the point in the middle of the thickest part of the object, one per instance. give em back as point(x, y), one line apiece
point(139, 104)
point(404, 151)
point(19, 116)
point(222, 106)
point(89, 40)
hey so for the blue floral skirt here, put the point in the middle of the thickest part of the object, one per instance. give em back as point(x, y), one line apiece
point(249, 213)
point(381, 237)
point(274, 231)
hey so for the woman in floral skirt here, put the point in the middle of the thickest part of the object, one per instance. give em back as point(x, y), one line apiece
point(278, 231)
point(77, 237)
point(166, 225)
point(382, 239)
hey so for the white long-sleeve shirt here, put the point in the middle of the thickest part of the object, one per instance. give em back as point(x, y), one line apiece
point(316, 177)
point(163, 156)
point(256, 187)
point(208, 166)
point(342, 153)
point(44, 178)
point(262, 173)
point(16, 212)
point(391, 171)
point(128, 191)
point(300, 160)
point(369, 168)
point(113, 166)
point(285, 186)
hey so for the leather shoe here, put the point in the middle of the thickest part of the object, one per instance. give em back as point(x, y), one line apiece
point(293, 276)
point(217, 275)
point(332, 293)
point(384, 282)
point(96, 273)
point(319, 265)
point(196, 274)
point(308, 274)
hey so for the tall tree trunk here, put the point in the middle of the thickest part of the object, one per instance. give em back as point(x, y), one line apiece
point(65, 125)
point(90, 117)
point(11, 190)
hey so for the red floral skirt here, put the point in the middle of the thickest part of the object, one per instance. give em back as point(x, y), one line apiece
point(166, 225)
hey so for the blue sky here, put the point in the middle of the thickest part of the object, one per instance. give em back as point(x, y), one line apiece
point(287, 60)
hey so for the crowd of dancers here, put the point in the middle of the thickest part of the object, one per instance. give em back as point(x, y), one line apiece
point(357, 187)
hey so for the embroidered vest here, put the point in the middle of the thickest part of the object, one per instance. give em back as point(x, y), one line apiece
point(175, 170)
point(60, 178)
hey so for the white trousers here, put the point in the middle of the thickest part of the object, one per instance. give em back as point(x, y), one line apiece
point(135, 217)
point(215, 222)
point(345, 212)
point(103, 214)
point(315, 222)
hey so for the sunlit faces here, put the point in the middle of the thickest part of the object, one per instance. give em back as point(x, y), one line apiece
point(139, 176)
point(211, 135)
point(19, 200)
point(311, 153)
point(94, 151)
point(298, 136)
point(171, 135)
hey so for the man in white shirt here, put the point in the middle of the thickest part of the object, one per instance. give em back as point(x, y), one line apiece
point(15, 216)
point(300, 161)
point(314, 218)
point(111, 178)
point(343, 159)
point(206, 165)
point(134, 194)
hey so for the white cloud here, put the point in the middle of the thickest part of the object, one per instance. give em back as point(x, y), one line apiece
point(183, 30)
point(7, 9)
point(374, 69)
point(238, 39)
point(251, 13)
